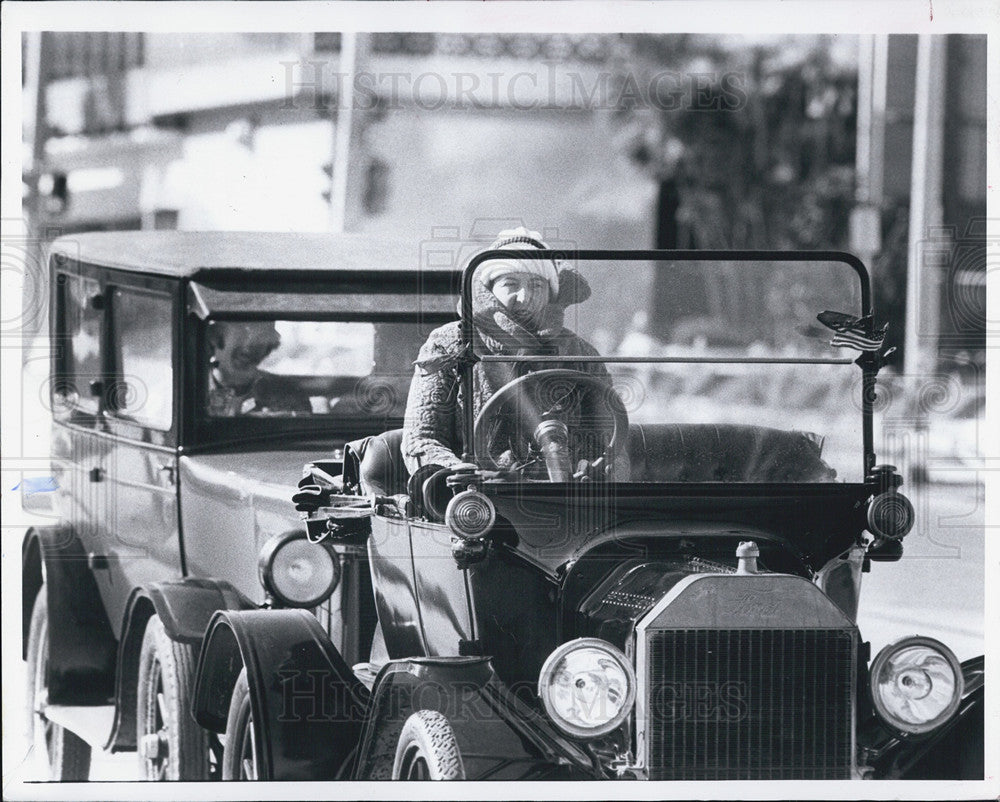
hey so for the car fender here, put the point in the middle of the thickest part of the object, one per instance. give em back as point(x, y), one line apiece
point(185, 607)
point(499, 736)
point(306, 703)
point(82, 646)
point(955, 751)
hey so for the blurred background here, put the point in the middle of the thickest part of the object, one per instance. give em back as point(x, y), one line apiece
point(871, 144)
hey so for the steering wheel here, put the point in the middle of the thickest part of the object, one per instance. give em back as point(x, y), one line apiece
point(543, 407)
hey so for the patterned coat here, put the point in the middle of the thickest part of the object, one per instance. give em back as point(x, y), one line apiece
point(434, 409)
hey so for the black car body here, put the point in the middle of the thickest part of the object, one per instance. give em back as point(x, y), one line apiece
point(708, 600)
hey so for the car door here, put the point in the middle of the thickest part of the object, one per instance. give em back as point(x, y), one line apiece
point(79, 445)
point(141, 530)
point(391, 563)
point(442, 590)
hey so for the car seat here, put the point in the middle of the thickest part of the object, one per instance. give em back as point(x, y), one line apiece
point(725, 453)
point(382, 470)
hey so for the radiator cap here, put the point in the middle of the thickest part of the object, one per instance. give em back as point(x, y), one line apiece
point(747, 554)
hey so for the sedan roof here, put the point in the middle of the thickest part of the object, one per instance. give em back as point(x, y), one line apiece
point(203, 253)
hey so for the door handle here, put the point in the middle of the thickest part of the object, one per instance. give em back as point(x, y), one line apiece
point(168, 470)
point(101, 562)
point(96, 474)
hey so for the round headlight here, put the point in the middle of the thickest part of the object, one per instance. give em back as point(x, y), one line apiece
point(296, 572)
point(890, 515)
point(916, 685)
point(470, 514)
point(587, 687)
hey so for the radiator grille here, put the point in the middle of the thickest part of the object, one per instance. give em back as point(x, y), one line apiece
point(749, 704)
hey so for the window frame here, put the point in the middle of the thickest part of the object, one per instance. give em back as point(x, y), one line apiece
point(61, 363)
point(119, 421)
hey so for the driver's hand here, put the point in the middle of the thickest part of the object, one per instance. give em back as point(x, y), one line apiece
point(311, 496)
point(587, 471)
point(415, 484)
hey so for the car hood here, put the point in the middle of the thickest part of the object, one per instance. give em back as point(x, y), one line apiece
point(555, 525)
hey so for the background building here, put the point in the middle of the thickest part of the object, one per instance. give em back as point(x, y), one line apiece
point(603, 140)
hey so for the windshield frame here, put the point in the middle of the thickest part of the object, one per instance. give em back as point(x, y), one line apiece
point(867, 361)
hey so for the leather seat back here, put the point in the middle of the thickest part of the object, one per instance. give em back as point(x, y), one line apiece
point(724, 453)
point(382, 470)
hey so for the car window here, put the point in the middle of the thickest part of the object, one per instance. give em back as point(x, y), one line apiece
point(297, 368)
point(80, 320)
point(143, 334)
point(311, 348)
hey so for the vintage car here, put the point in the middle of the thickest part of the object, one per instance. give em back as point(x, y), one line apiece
point(681, 605)
point(688, 613)
point(171, 486)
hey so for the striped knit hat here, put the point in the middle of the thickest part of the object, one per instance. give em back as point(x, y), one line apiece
point(519, 239)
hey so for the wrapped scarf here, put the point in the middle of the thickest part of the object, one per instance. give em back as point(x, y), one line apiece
point(435, 405)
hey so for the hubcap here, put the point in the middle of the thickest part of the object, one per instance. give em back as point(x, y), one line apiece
point(154, 745)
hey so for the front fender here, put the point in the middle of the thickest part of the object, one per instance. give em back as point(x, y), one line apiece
point(498, 735)
point(956, 751)
point(307, 705)
point(185, 607)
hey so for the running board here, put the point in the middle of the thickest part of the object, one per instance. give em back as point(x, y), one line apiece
point(92, 724)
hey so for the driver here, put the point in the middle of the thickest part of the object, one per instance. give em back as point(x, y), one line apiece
point(518, 308)
point(237, 386)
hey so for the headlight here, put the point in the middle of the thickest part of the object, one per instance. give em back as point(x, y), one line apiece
point(296, 572)
point(587, 687)
point(916, 684)
point(470, 514)
point(890, 515)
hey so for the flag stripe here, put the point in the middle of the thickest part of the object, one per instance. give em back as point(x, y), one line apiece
point(857, 338)
point(859, 343)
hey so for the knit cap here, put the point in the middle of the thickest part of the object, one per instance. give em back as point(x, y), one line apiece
point(519, 239)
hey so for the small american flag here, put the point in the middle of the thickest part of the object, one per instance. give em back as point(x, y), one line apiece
point(852, 332)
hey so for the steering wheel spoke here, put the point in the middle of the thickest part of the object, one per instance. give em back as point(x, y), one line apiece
point(560, 415)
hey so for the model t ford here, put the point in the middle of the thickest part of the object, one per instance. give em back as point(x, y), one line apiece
point(600, 543)
point(635, 560)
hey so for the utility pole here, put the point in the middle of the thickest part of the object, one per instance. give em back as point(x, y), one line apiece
point(37, 62)
point(866, 216)
point(923, 286)
point(926, 245)
point(349, 151)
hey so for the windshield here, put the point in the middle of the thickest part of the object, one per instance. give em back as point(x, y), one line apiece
point(725, 369)
point(300, 369)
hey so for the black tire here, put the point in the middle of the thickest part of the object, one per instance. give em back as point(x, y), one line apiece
point(239, 757)
point(172, 746)
point(427, 749)
point(67, 754)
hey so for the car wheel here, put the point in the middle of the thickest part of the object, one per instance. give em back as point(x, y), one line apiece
point(171, 745)
point(239, 757)
point(427, 749)
point(68, 755)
